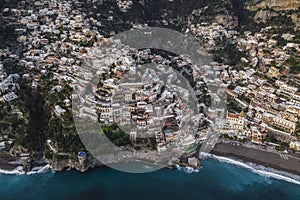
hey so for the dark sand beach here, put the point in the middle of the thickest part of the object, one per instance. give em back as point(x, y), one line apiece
point(8, 162)
point(268, 159)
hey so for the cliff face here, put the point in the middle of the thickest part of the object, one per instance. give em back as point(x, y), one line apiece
point(274, 4)
point(63, 164)
point(69, 163)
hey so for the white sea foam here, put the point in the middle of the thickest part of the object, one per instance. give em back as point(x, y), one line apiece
point(19, 170)
point(188, 170)
point(16, 171)
point(258, 169)
point(40, 170)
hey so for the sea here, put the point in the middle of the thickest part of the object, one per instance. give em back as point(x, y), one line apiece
point(220, 178)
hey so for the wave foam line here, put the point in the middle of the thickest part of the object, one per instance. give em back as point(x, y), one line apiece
point(40, 170)
point(258, 169)
point(16, 171)
point(19, 170)
point(188, 170)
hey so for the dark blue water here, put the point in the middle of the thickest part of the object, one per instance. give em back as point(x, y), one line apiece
point(215, 181)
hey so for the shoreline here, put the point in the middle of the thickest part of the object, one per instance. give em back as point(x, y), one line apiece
point(8, 164)
point(261, 170)
point(256, 156)
point(14, 165)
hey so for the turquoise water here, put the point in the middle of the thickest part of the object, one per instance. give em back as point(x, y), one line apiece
point(215, 181)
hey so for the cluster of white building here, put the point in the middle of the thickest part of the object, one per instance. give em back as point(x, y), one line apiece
point(272, 107)
point(137, 98)
point(9, 86)
point(58, 39)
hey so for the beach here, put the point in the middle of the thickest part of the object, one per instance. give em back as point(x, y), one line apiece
point(257, 156)
point(8, 162)
point(229, 150)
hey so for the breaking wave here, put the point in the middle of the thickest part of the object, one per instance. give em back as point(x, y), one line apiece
point(258, 169)
point(188, 170)
point(40, 170)
point(19, 170)
point(16, 171)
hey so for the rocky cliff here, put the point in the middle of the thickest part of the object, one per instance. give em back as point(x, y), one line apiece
point(69, 163)
point(274, 4)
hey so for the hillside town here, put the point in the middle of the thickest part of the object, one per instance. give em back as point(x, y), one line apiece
point(57, 38)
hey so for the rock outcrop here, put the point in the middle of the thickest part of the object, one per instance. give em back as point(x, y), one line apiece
point(275, 4)
point(69, 163)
